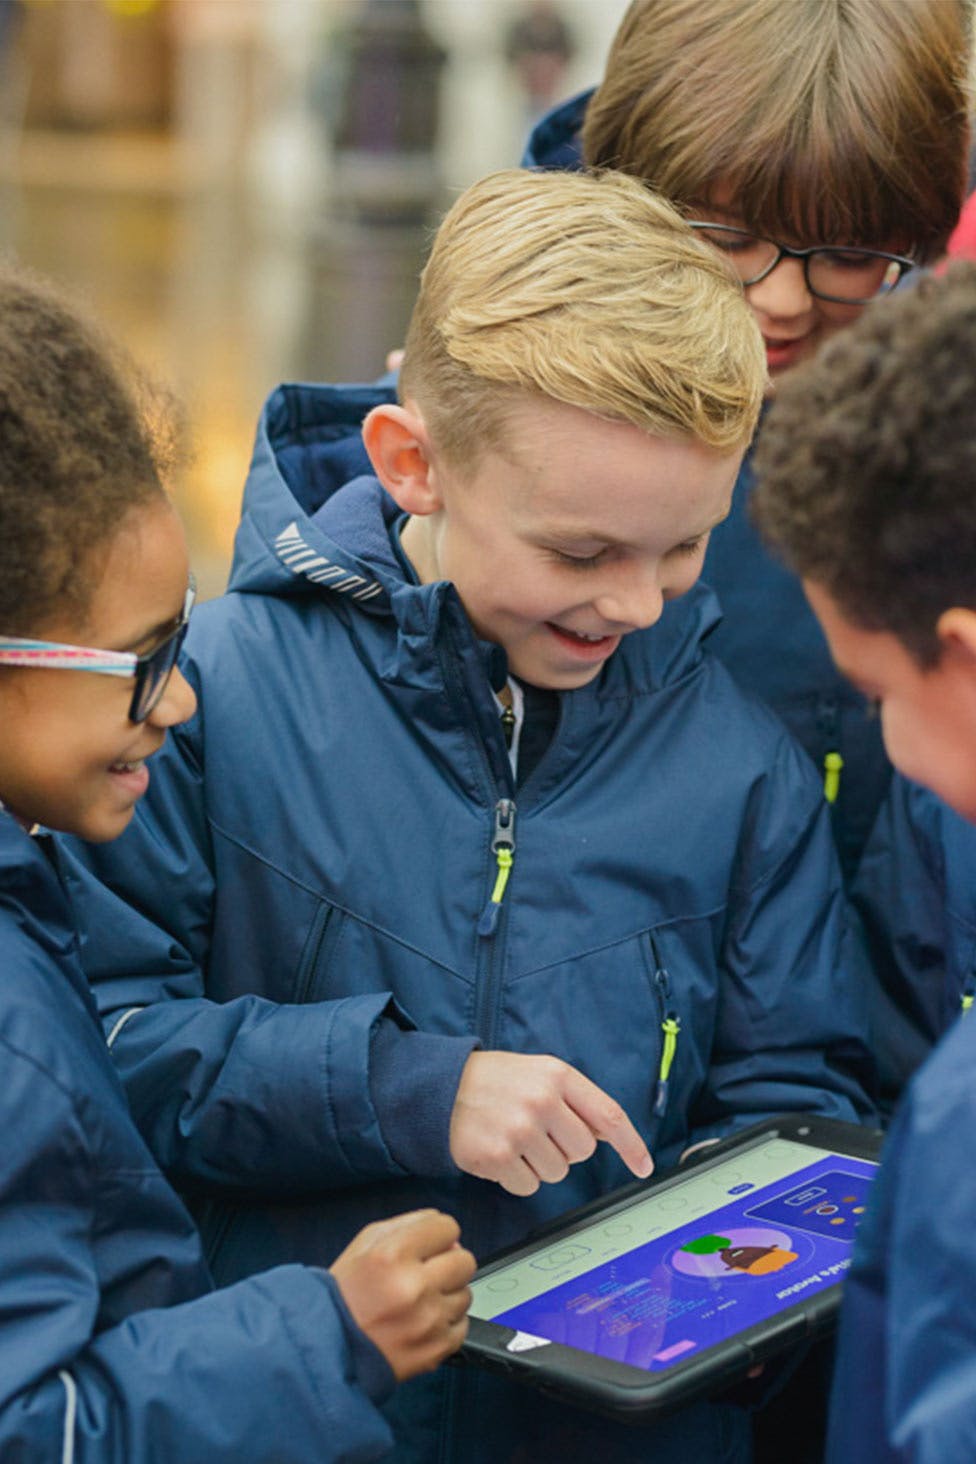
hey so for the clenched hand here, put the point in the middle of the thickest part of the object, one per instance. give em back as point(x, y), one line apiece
point(405, 1280)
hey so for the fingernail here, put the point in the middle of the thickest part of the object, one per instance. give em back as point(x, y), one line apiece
point(645, 1167)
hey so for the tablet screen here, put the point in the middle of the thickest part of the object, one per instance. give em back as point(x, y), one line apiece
point(663, 1276)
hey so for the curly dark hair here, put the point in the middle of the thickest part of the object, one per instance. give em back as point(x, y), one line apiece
point(84, 439)
point(867, 463)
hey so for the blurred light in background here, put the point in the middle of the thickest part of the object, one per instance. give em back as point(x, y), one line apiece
point(243, 190)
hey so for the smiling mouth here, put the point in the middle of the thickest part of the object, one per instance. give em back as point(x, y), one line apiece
point(581, 635)
point(582, 642)
point(135, 766)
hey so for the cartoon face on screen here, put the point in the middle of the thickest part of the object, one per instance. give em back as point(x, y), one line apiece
point(756, 1260)
point(751, 1252)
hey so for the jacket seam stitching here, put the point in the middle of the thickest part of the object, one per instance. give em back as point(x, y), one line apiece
point(608, 945)
point(318, 894)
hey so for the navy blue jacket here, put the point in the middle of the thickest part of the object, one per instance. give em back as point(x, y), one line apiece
point(113, 1344)
point(915, 892)
point(905, 1381)
point(769, 638)
point(317, 842)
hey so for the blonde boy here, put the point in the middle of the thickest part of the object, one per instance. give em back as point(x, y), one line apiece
point(511, 865)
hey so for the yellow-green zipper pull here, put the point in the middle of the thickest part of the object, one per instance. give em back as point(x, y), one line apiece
point(968, 993)
point(503, 848)
point(671, 1027)
point(833, 763)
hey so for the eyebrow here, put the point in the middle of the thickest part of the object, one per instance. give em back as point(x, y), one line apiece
point(717, 210)
point(152, 637)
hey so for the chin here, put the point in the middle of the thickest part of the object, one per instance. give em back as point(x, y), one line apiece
point(97, 828)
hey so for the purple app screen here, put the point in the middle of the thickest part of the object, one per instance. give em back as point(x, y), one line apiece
point(693, 1281)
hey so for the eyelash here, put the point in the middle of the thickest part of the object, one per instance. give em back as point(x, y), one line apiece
point(589, 562)
point(592, 560)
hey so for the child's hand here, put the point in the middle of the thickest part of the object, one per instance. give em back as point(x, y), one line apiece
point(523, 1120)
point(405, 1280)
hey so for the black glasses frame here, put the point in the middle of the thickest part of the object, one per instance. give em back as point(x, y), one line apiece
point(153, 670)
point(788, 252)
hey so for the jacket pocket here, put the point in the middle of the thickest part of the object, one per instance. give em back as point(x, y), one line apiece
point(320, 944)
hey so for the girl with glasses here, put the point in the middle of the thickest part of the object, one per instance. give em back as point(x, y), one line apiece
point(115, 1346)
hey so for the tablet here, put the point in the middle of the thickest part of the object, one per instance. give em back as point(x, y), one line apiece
point(675, 1287)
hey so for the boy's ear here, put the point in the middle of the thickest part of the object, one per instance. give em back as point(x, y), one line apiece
point(399, 449)
point(956, 629)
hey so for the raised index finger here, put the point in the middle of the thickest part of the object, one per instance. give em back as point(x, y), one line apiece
point(606, 1120)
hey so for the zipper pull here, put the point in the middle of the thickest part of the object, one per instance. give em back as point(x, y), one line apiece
point(671, 1028)
point(503, 848)
point(833, 763)
point(968, 993)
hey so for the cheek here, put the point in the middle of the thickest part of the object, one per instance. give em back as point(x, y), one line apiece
point(682, 576)
point(832, 317)
point(907, 751)
point(927, 750)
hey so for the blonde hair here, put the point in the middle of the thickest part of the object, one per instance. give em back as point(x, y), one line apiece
point(835, 121)
point(587, 289)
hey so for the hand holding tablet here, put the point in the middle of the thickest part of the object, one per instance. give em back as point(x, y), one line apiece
point(522, 1120)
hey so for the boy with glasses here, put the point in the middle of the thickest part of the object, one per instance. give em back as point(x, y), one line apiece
point(786, 132)
point(821, 147)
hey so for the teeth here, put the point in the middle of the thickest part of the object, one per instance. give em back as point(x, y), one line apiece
point(581, 635)
point(128, 767)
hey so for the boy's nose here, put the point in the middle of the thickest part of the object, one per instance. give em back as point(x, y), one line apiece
point(177, 703)
point(635, 605)
point(783, 294)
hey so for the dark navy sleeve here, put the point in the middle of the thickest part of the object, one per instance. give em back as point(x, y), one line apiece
point(270, 1371)
point(905, 1386)
point(920, 944)
point(247, 1091)
point(414, 1078)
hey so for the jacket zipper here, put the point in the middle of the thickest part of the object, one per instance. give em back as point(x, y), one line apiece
point(828, 720)
point(503, 848)
point(670, 1027)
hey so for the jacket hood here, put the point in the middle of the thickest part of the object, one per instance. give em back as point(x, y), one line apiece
point(554, 141)
point(308, 449)
point(315, 521)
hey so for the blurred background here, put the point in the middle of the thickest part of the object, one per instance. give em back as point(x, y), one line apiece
point(244, 190)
